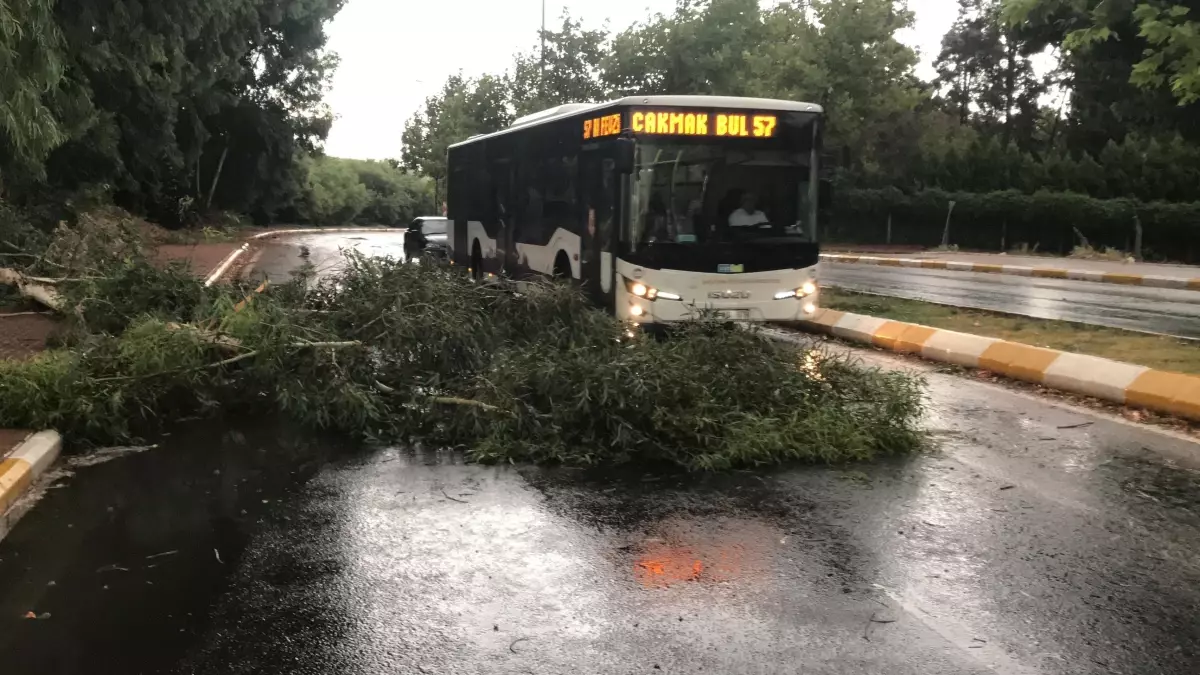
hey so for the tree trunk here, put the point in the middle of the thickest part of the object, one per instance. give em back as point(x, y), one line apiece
point(1137, 238)
point(1009, 86)
point(946, 230)
point(216, 177)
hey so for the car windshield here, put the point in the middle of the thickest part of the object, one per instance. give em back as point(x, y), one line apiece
point(690, 193)
point(433, 227)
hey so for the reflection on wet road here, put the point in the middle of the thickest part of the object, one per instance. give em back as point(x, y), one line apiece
point(1156, 310)
point(325, 252)
point(1016, 546)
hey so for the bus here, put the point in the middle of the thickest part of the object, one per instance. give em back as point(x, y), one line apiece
point(663, 207)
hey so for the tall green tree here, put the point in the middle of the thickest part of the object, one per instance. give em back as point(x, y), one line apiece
point(700, 48)
point(565, 70)
point(1168, 34)
point(986, 76)
point(31, 69)
point(463, 108)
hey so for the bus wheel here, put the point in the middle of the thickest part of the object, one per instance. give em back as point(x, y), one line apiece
point(476, 262)
point(562, 267)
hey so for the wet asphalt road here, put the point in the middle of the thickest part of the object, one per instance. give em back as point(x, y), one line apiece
point(1017, 546)
point(281, 256)
point(1155, 310)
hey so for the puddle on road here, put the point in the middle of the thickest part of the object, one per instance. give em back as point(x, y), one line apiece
point(682, 551)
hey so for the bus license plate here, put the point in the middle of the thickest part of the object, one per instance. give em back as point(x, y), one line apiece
point(735, 314)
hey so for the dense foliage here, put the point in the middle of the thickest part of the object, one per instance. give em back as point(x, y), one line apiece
point(394, 352)
point(173, 107)
point(341, 191)
point(1047, 222)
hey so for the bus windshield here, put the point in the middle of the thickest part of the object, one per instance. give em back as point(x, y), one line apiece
point(696, 193)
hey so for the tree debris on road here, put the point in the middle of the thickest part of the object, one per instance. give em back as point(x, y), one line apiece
point(391, 352)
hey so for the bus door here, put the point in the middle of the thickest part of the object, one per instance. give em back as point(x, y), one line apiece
point(504, 214)
point(598, 245)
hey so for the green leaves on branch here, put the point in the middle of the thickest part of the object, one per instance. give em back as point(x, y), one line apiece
point(31, 68)
point(165, 104)
point(1168, 31)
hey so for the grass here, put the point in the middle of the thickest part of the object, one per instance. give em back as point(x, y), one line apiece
point(1154, 351)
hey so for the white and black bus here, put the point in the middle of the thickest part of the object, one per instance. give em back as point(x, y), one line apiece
point(659, 205)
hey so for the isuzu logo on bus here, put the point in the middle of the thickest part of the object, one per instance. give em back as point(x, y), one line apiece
point(703, 124)
point(729, 295)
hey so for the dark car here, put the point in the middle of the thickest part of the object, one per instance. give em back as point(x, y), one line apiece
point(427, 235)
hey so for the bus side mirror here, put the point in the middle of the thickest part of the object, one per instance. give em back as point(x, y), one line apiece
point(825, 194)
point(623, 155)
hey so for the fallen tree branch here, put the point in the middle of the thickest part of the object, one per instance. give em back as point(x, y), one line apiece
point(13, 314)
point(448, 400)
point(451, 400)
point(38, 292)
point(229, 361)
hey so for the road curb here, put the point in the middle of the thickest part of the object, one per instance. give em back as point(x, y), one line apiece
point(327, 230)
point(225, 265)
point(29, 460)
point(1115, 381)
point(1147, 280)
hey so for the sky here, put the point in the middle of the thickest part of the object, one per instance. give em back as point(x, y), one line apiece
point(395, 53)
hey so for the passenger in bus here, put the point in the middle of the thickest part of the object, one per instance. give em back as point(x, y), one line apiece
point(748, 215)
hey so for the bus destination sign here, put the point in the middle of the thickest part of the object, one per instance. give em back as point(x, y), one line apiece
point(675, 123)
point(609, 125)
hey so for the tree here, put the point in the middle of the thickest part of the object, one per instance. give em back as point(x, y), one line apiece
point(394, 197)
point(985, 76)
point(31, 69)
point(336, 196)
point(462, 109)
point(566, 70)
point(848, 59)
point(701, 48)
point(1167, 36)
point(163, 102)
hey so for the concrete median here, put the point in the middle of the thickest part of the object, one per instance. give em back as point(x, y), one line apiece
point(1115, 381)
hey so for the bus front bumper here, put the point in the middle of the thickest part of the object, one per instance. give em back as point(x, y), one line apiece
point(641, 311)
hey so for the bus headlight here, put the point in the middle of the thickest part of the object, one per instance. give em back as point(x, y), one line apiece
point(641, 290)
point(804, 291)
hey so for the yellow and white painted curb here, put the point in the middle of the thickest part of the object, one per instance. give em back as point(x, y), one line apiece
point(25, 463)
point(1020, 271)
point(1124, 383)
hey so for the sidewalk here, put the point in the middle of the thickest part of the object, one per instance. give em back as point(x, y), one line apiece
point(1103, 271)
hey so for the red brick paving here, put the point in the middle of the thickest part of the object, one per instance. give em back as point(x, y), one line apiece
point(203, 258)
point(24, 336)
point(9, 438)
